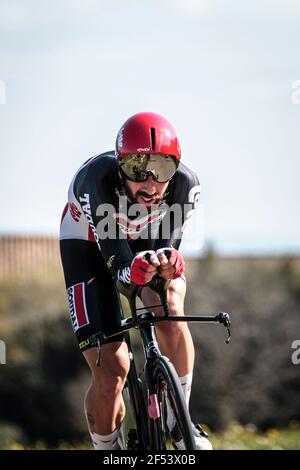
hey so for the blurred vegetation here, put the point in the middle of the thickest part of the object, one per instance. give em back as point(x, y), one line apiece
point(235, 437)
point(43, 363)
point(251, 381)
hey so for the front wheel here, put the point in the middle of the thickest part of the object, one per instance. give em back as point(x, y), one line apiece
point(168, 389)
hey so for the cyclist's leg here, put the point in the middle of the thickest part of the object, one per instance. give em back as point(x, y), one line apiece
point(173, 336)
point(94, 306)
point(176, 343)
point(104, 404)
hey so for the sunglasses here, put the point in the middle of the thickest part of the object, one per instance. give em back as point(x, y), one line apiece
point(137, 167)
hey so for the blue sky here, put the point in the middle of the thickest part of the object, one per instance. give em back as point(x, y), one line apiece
point(221, 71)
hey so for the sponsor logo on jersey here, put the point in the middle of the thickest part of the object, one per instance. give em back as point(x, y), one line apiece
point(77, 306)
point(123, 275)
point(86, 207)
point(84, 344)
point(74, 211)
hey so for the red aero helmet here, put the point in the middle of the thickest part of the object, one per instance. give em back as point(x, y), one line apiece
point(147, 133)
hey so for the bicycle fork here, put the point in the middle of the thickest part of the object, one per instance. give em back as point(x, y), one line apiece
point(152, 351)
point(134, 386)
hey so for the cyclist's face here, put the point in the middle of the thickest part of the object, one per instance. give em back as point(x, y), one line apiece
point(147, 192)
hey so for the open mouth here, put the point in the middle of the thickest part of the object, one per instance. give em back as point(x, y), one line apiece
point(147, 197)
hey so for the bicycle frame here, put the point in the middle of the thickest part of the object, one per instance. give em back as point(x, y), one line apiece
point(145, 417)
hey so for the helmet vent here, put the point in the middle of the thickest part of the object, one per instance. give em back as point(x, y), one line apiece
point(152, 133)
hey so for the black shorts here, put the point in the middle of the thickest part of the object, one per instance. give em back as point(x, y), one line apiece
point(94, 302)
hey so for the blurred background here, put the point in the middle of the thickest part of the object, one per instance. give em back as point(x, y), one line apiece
point(227, 75)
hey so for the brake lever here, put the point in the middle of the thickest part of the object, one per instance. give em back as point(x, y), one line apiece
point(228, 334)
point(224, 318)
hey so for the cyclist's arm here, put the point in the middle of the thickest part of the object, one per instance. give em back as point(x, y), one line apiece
point(95, 194)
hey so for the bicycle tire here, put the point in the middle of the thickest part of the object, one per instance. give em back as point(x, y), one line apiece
point(167, 384)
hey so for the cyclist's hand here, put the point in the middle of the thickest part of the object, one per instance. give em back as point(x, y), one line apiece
point(144, 267)
point(166, 269)
point(172, 264)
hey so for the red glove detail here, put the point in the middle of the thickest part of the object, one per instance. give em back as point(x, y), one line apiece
point(139, 267)
point(175, 259)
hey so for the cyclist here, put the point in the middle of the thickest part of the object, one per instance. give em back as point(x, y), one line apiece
point(123, 223)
